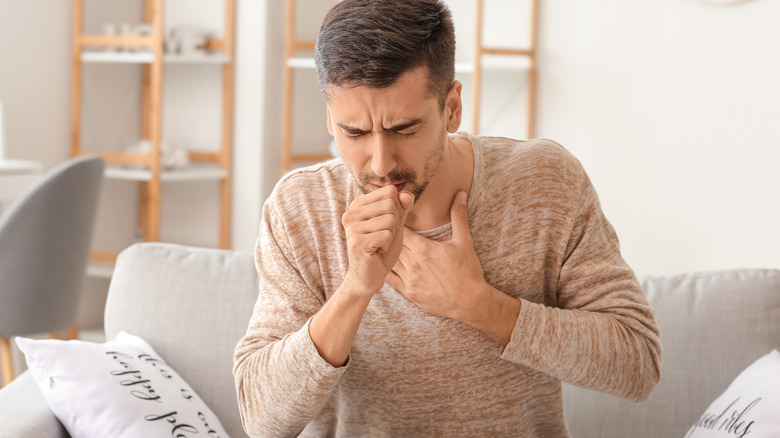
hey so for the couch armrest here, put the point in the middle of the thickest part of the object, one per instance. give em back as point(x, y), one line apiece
point(24, 412)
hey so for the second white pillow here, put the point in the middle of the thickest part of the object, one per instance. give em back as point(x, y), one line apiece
point(750, 406)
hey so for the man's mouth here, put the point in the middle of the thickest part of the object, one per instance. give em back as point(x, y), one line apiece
point(399, 186)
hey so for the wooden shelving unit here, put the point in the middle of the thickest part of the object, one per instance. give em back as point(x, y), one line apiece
point(485, 58)
point(482, 57)
point(146, 170)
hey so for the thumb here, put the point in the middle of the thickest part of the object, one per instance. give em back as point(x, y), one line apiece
point(459, 215)
point(407, 202)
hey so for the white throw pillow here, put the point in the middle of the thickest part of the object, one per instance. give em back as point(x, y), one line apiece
point(117, 389)
point(749, 407)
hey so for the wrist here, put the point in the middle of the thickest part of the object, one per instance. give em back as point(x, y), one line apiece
point(334, 327)
point(492, 312)
point(356, 289)
point(356, 292)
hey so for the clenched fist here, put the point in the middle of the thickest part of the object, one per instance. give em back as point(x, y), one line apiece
point(374, 225)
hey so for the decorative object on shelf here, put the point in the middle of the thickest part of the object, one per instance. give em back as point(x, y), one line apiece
point(140, 30)
point(126, 29)
point(109, 29)
point(172, 157)
point(187, 40)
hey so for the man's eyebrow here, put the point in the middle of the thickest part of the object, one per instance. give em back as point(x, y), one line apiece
point(404, 125)
point(395, 128)
point(350, 129)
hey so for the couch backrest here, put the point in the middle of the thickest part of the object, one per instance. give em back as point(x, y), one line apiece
point(192, 305)
point(713, 325)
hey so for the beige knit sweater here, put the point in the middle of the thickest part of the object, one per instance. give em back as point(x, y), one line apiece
point(541, 237)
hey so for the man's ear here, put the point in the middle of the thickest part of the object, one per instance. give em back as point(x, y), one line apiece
point(454, 107)
point(330, 128)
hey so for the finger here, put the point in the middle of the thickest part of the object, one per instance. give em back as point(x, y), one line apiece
point(381, 224)
point(385, 221)
point(375, 209)
point(395, 281)
point(412, 240)
point(406, 201)
point(374, 196)
point(372, 242)
point(459, 215)
point(400, 265)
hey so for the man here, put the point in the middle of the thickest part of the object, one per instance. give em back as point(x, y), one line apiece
point(431, 283)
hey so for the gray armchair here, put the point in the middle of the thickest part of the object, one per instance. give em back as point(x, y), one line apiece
point(44, 245)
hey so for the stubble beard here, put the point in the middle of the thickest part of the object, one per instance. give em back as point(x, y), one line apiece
point(431, 167)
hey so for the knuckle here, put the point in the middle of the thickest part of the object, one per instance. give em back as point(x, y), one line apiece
point(386, 235)
point(388, 220)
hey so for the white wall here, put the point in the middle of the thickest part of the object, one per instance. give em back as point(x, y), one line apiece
point(673, 108)
point(34, 44)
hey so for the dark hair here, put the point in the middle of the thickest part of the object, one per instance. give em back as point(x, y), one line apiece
point(373, 42)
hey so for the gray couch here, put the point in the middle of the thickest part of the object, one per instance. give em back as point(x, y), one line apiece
point(193, 304)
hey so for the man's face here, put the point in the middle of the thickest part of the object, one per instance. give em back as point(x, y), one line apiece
point(396, 135)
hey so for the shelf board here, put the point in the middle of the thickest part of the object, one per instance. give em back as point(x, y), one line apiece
point(496, 63)
point(301, 62)
point(142, 57)
point(111, 56)
point(489, 62)
point(195, 172)
point(100, 269)
point(198, 58)
point(19, 167)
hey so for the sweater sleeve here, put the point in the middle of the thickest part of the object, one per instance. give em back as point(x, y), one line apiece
point(281, 379)
point(602, 334)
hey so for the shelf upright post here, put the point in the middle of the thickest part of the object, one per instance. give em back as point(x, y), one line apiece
point(476, 79)
point(287, 107)
point(146, 114)
point(152, 198)
point(226, 151)
point(531, 130)
point(75, 93)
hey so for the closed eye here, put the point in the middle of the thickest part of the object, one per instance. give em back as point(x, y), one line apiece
point(353, 134)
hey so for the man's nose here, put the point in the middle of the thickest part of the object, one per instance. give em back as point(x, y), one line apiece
point(383, 158)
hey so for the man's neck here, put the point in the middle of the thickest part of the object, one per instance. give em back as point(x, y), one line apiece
point(432, 209)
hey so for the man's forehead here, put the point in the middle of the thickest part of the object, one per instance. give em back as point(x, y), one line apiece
point(394, 111)
point(413, 84)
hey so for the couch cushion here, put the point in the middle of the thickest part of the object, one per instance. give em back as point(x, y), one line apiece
point(713, 325)
point(120, 388)
point(24, 412)
point(192, 305)
point(749, 405)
